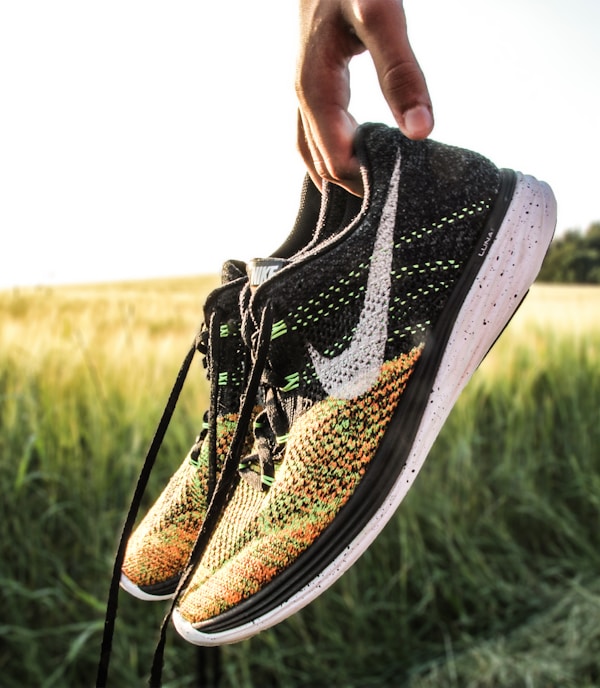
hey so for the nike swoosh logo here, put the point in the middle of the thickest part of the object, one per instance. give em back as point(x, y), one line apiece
point(354, 371)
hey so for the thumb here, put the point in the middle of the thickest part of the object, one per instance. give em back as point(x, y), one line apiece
point(403, 86)
point(381, 27)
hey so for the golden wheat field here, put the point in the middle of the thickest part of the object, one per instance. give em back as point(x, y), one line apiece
point(133, 333)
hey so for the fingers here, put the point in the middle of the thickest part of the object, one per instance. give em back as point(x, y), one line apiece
point(325, 127)
point(308, 154)
point(346, 174)
point(381, 27)
point(332, 32)
point(344, 169)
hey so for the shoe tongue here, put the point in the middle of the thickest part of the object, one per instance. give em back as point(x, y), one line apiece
point(232, 270)
point(261, 269)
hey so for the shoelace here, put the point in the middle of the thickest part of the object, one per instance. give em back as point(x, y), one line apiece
point(206, 342)
point(261, 340)
point(212, 349)
point(270, 426)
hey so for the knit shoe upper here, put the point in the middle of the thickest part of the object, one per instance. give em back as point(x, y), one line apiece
point(369, 338)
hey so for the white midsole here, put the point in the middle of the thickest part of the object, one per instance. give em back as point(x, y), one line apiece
point(134, 590)
point(510, 267)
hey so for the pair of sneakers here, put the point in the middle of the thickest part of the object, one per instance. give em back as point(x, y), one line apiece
point(333, 365)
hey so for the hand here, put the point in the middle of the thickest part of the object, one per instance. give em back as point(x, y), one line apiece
point(332, 32)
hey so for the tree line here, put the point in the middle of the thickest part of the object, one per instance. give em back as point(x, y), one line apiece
point(574, 257)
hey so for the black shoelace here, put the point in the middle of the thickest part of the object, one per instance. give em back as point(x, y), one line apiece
point(260, 349)
point(205, 342)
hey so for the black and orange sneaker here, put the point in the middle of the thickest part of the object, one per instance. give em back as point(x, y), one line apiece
point(159, 548)
point(363, 345)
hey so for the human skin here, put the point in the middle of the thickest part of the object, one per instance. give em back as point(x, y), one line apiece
point(332, 32)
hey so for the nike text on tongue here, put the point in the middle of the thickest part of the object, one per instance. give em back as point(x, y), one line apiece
point(261, 269)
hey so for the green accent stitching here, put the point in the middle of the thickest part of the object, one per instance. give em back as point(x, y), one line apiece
point(293, 382)
point(279, 328)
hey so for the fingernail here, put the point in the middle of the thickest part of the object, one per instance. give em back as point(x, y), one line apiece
point(418, 122)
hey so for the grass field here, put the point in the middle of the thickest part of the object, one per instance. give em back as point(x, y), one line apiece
point(488, 575)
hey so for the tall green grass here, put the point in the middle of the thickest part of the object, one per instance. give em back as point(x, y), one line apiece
point(487, 576)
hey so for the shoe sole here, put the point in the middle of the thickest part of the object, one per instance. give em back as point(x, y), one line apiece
point(512, 261)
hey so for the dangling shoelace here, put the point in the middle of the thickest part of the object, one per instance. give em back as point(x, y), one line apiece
point(260, 348)
point(206, 343)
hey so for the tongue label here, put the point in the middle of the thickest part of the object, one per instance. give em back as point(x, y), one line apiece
point(261, 269)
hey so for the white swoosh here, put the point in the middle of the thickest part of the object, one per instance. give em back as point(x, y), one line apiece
point(354, 371)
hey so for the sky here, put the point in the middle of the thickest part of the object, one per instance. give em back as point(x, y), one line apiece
point(153, 139)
